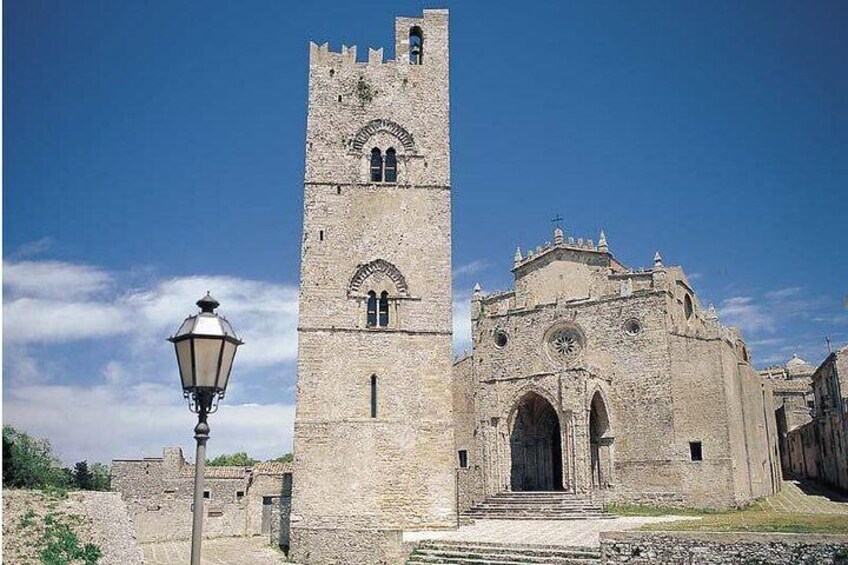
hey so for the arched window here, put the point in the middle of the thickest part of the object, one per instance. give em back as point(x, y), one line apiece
point(376, 165)
point(391, 165)
point(373, 396)
point(372, 309)
point(384, 309)
point(416, 46)
point(687, 306)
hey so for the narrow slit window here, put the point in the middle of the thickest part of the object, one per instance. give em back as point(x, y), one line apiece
point(463, 459)
point(371, 309)
point(384, 309)
point(321, 235)
point(416, 46)
point(695, 451)
point(391, 165)
point(376, 165)
point(373, 396)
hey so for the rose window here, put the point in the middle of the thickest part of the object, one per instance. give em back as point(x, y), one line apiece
point(565, 344)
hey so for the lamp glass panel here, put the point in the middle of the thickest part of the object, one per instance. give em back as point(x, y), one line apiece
point(208, 325)
point(227, 363)
point(184, 360)
point(206, 352)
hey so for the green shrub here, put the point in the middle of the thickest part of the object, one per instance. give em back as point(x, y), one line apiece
point(63, 547)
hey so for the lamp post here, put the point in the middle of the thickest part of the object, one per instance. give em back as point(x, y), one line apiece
point(206, 346)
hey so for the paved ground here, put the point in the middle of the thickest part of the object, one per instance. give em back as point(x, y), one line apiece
point(221, 551)
point(806, 497)
point(540, 532)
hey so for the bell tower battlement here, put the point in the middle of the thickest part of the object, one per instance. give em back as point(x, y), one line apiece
point(373, 438)
point(406, 100)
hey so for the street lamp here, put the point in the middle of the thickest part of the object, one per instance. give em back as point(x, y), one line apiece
point(206, 346)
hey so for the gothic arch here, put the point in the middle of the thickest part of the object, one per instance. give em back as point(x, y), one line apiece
point(536, 462)
point(368, 130)
point(375, 267)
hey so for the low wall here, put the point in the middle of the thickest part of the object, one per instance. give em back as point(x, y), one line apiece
point(707, 548)
point(336, 546)
point(104, 522)
point(172, 520)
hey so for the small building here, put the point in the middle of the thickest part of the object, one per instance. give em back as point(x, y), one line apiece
point(238, 501)
point(792, 385)
point(819, 449)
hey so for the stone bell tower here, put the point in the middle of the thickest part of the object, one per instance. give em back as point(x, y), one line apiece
point(373, 437)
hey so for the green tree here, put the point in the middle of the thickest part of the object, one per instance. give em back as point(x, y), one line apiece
point(101, 477)
point(240, 459)
point(29, 462)
point(83, 478)
point(287, 458)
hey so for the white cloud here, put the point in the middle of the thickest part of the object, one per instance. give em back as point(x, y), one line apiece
point(52, 302)
point(784, 293)
point(742, 312)
point(54, 279)
point(462, 324)
point(103, 422)
point(33, 248)
point(469, 268)
point(27, 320)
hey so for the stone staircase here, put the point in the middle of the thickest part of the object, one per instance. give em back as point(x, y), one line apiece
point(443, 552)
point(553, 505)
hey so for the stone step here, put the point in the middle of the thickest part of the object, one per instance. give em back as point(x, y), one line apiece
point(536, 506)
point(482, 553)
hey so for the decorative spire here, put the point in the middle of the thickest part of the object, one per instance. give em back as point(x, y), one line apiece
point(602, 243)
point(518, 256)
point(477, 289)
point(558, 236)
point(658, 261)
point(711, 313)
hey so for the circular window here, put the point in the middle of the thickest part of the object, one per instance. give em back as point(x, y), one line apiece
point(500, 338)
point(565, 344)
point(633, 326)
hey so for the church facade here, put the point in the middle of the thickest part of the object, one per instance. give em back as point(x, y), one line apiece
point(593, 378)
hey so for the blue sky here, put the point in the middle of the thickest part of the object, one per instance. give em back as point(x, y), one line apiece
point(154, 150)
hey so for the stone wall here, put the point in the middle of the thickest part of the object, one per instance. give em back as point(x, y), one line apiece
point(349, 546)
point(159, 495)
point(637, 548)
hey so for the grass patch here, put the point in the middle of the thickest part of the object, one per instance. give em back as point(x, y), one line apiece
point(643, 510)
point(61, 546)
point(758, 520)
point(27, 520)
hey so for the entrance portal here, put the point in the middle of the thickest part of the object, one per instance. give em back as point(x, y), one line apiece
point(536, 446)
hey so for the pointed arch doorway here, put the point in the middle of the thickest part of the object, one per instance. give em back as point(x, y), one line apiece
point(600, 442)
point(536, 445)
